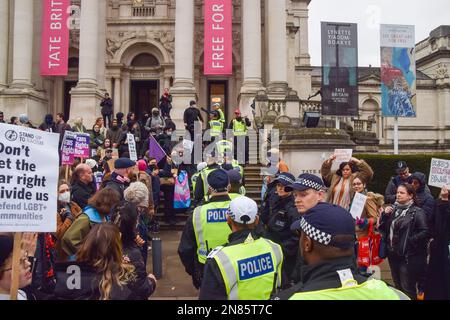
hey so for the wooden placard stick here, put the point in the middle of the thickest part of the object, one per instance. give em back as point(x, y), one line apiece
point(17, 254)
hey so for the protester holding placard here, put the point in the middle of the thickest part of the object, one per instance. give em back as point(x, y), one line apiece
point(404, 226)
point(341, 181)
point(371, 212)
point(28, 247)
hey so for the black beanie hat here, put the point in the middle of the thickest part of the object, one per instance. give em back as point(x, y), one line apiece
point(6, 247)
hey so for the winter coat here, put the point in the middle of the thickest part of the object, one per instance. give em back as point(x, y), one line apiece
point(426, 200)
point(410, 234)
point(438, 274)
point(81, 193)
point(77, 232)
point(332, 179)
point(90, 284)
point(144, 286)
point(114, 134)
point(117, 182)
point(97, 140)
point(107, 107)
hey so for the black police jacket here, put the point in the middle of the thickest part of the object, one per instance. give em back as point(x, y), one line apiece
point(279, 215)
point(213, 287)
point(321, 276)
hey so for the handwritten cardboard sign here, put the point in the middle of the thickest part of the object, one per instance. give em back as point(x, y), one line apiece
point(439, 173)
point(358, 203)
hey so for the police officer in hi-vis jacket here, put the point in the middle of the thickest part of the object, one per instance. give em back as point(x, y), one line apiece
point(248, 267)
point(207, 227)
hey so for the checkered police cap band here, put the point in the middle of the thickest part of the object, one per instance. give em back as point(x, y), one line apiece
point(315, 234)
point(287, 179)
point(309, 183)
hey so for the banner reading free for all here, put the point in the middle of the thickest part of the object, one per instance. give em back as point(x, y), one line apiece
point(28, 179)
point(218, 37)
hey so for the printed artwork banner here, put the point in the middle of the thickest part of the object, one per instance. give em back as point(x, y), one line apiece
point(218, 42)
point(339, 69)
point(398, 71)
point(29, 164)
point(55, 37)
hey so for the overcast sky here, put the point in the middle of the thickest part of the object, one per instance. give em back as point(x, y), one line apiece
point(426, 15)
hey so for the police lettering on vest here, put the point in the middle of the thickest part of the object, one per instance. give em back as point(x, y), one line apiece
point(216, 215)
point(255, 266)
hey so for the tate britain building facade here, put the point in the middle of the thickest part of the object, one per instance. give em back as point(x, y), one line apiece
point(133, 49)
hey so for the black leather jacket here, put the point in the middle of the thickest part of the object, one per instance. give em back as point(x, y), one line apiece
point(410, 233)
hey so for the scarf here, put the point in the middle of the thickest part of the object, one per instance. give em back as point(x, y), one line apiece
point(341, 196)
point(400, 212)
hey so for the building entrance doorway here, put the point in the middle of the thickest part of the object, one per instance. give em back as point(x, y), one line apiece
point(218, 93)
point(68, 85)
point(144, 96)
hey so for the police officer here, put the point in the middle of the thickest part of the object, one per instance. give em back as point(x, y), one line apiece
point(201, 184)
point(248, 267)
point(308, 191)
point(215, 125)
point(216, 108)
point(278, 217)
point(224, 148)
point(237, 189)
point(200, 167)
point(327, 237)
point(239, 126)
point(206, 228)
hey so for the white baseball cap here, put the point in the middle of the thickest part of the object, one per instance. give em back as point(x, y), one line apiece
point(201, 166)
point(91, 163)
point(243, 210)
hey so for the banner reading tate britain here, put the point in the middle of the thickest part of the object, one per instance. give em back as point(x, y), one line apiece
point(218, 49)
point(55, 37)
point(339, 69)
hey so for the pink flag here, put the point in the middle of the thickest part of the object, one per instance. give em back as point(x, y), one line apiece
point(55, 38)
point(218, 49)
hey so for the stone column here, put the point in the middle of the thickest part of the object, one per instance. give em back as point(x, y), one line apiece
point(4, 39)
point(184, 44)
point(23, 40)
point(86, 97)
point(277, 43)
point(251, 51)
point(89, 30)
point(117, 94)
point(183, 89)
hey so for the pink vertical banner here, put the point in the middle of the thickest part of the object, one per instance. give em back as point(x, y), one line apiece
point(218, 49)
point(55, 37)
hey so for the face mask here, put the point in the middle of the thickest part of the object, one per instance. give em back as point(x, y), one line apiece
point(64, 197)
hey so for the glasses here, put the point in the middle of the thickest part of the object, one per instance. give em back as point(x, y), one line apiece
point(23, 262)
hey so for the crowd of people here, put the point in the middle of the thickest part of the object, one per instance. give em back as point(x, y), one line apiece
point(301, 243)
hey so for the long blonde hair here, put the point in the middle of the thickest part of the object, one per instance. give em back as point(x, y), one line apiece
point(102, 250)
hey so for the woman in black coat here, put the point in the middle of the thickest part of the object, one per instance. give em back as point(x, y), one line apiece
point(438, 276)
point(404, 226)
point(125, 217)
